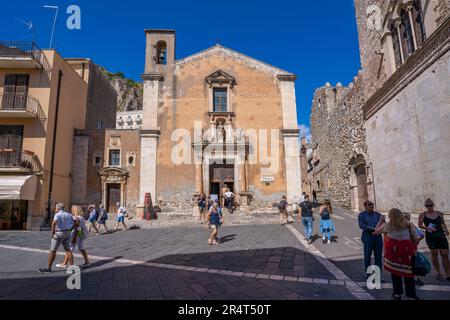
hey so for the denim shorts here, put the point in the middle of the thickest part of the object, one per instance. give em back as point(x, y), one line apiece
point(121, 219)
point(61, 237)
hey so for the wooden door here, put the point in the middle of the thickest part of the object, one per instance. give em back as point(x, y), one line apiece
point(113, 197)
point(361, 178)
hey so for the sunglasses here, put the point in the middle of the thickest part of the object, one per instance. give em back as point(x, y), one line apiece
point(429, 206)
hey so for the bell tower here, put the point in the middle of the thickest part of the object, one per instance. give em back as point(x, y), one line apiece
point(160, 52)
point(158, 75)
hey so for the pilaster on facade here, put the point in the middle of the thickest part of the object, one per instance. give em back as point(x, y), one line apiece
point(290, 136)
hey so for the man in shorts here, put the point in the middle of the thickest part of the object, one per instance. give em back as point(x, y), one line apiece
point(62, 226)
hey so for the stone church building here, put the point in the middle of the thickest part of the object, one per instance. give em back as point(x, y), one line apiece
point(386, 136)
point(215, 118)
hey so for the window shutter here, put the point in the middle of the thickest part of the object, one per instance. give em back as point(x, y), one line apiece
point(16, 137)
point(9, 91)
point(4, 136)
point(21, 91)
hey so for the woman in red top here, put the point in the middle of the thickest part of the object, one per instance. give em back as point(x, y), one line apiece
point(400, 246)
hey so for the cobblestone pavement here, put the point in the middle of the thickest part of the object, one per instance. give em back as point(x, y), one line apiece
point(257, 259)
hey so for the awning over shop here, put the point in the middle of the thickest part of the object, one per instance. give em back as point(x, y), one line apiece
point(18, 187)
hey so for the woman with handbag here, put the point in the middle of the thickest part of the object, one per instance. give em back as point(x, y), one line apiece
point(400, 247)
point(433, 223)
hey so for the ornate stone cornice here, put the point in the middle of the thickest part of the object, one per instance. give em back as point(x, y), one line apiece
point(160, 31)
point(287, 77)
point(152, 77)
point(220, 77)
point(291, 132)
point(150, 133)
point(431, 50)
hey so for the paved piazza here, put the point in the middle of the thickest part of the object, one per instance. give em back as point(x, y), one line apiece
point(257, 259)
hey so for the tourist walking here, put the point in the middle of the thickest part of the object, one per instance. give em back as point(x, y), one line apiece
point(201, 202)
point(400, 246)
point(103, 217)
point(79, 234)
point(433, 223)
point(282, 206)
point(214, 223)
point(62, 226)
point(225, 189)
point(93, 217)
point(229, 200)
point(368, 221)
point(327, 228)
point(209, 203)
point(306, 216)
point(121, 211)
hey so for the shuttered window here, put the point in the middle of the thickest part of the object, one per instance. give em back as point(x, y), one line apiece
point(15, 91)
point(11, 137)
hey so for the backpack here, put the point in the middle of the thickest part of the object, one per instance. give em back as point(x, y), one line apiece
point(421, 265)
point(282, 205)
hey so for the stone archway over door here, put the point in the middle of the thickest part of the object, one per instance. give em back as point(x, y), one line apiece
point(361, 188)
point(361, 181)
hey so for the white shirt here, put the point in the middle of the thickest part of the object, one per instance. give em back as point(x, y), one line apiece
point(64, 221)
point(121, 212)
point(229, 194)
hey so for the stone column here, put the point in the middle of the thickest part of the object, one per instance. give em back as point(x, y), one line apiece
point(290, 136)
point(198, 173)
point(149, 136)
point(398, 23)
point(409, 8)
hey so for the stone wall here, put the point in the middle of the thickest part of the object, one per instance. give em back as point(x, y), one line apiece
point(336, 113)
point(102, 100)
point(402, 144)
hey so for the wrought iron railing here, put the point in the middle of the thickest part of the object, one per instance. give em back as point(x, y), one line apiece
point(15, 102)
point(24, 49)
point(11, 158)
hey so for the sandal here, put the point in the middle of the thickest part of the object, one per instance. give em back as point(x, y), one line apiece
point(439, 277)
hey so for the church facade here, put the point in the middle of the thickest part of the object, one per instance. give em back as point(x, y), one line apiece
point(213, 119)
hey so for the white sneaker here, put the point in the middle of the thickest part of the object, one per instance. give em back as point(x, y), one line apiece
point(324, 238)
point(329, 241)
point(61, 266)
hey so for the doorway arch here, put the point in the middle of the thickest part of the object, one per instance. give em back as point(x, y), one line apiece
point(359, 190)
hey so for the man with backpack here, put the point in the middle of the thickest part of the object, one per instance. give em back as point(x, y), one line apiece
point(282, 206)
point(307, 218)
point(93, 217)
point(201, 202)
point(103, 216)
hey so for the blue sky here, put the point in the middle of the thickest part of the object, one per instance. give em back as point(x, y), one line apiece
point(317, 40)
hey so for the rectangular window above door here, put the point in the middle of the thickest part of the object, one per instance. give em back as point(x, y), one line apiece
point(114, 158)
point(220, 99)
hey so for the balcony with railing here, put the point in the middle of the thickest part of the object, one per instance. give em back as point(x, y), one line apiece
point(20, 106)
point(21, 161)
point(22, 55)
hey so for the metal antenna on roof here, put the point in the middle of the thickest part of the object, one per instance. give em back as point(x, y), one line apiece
point(54, 22)
point(30, 26)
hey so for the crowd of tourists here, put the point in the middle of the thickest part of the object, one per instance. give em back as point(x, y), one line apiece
point(71, 229)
